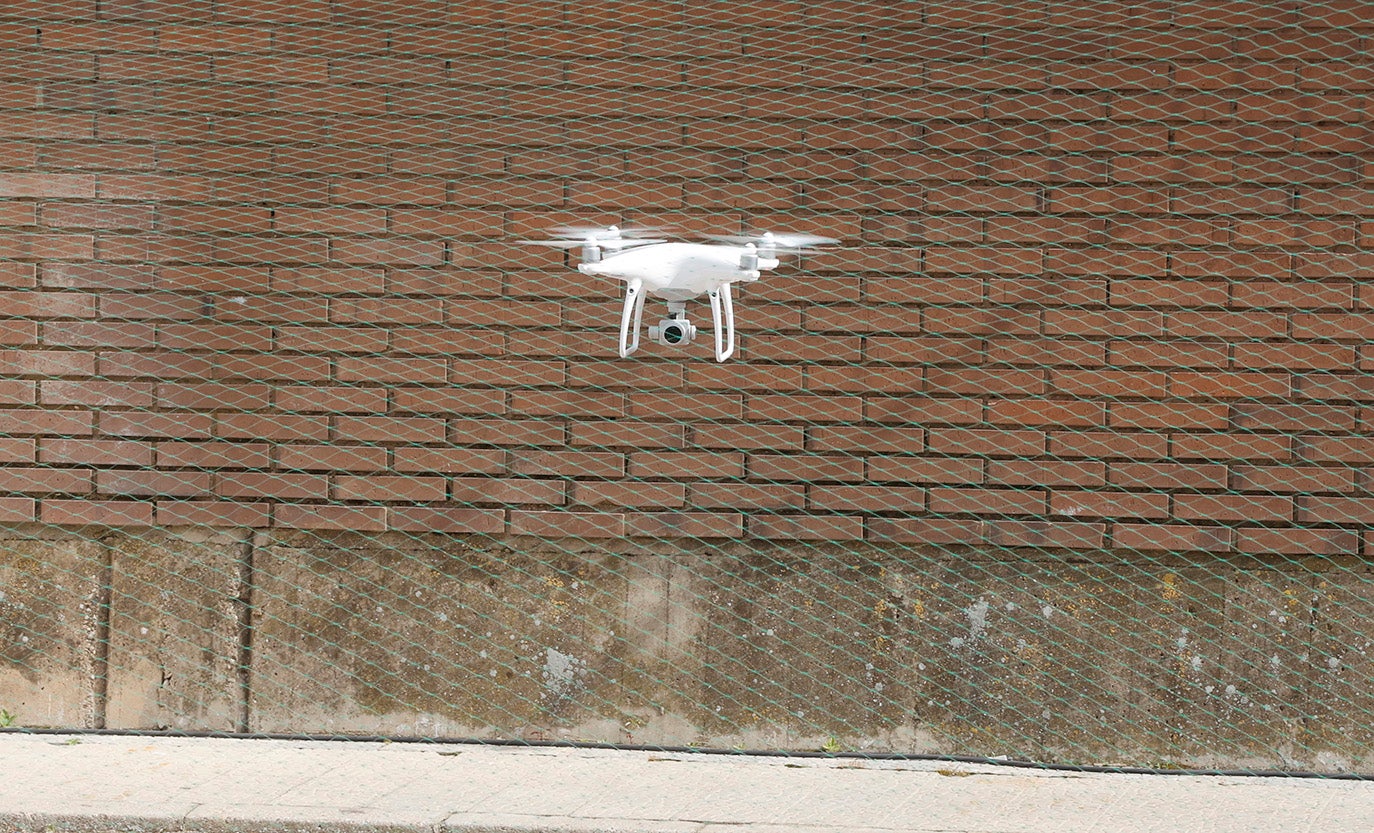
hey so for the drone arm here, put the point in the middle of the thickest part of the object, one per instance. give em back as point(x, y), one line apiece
point(723, 316)
point(630, 317)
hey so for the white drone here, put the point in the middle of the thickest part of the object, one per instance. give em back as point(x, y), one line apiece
point(677, 273)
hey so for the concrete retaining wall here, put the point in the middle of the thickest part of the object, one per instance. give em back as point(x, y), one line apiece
point(1083, 657)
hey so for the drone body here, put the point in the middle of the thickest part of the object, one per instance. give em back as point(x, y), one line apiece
point(677, 273)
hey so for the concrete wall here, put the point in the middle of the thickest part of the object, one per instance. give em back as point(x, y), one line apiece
point(1052, 655)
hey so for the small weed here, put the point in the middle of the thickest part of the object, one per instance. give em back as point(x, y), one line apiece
point(831, 745)
point(7, 718)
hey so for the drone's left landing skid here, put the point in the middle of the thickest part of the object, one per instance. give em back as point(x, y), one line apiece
point(631, 316)
point(723, 315)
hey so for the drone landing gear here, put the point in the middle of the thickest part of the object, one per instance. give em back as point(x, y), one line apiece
point(630, 317)
point(676, 330)
point(723, 315)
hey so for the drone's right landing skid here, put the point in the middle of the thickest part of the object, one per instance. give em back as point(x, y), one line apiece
point(631, 316)
point(723, 315)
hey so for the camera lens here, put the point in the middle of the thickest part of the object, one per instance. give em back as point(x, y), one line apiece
point(674, 334)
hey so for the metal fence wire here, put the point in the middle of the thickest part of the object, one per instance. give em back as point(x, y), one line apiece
point(1061, 454)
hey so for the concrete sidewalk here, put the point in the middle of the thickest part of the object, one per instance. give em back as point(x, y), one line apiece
point(102, 783)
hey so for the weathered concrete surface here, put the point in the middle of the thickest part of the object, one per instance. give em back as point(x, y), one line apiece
point(418, 640)
point(50, 627)
point(1046, 655)
point(174, 630)
point(99, 784)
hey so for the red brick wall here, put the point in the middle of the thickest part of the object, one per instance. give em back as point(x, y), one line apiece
point(1103, 279)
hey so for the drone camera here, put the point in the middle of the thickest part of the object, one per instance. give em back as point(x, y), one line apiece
point(673, 332)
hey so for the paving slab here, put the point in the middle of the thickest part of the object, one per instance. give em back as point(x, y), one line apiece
point(144, 784)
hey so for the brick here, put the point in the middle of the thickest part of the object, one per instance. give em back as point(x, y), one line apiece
point(735, 377)
point(931, 350)
point(353, 518)
point(1308, 417)
point(990, 381)
point(423, 371)
point(1050, 473)
point(212, 513)
point(87, 452)
point(276, 368)
point(1044, 412)
point(1233, 507)
point(1157, 415)
point(927, 530)
point(1109, 382)
point(987, 501)
point(268, 426)
point(1239, 325)
point(685, 524)
point(26, 479)
point(632, 495)
point(568, 524)
point(46, 363)
point(1292, 479)
point(447, 401)
point(333, 399)
point(866, 439)
point(746, 496)
point(27, 304)
point(574, 464)
point(859, 379)
point(986, 441)
point(806, 467)
point(153, 483)
point(146, 424)
point(805, 408)
point(1230, 447)
point(1046, 352)
point(602, 433)
point(751, 437)
point(447, 519)
point(388, 429)
point(1294, 356)
point(1298, 541)
point(210, 455)
point(388, 487)
point(1099, 504)
point(806, 528)
point(1335, 325)
point(694, 406)
point(1334, 449)
point(277, 485)
point(686, 464)
point(1335, 509)
point(1104, 323)
point(96, 512)
point(1229, 385)
point(508, 490)
point(866, 498)
point(31, 421)
point(1009, 533)
point(564, 403)
point(96, 393)
point(924, 470)
point(213, 395)
point(208, 337)
point(1172, 537)
point(1160, 475)
point(318, 457)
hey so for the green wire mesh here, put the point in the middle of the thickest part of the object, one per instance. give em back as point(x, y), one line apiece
point(1063, 454)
